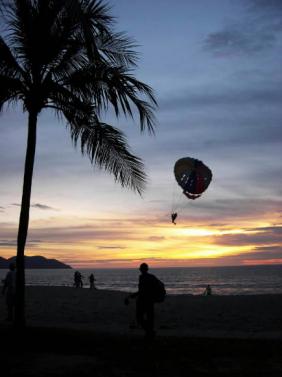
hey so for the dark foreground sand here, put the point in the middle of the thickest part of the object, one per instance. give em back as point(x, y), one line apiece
point(104, 311)
point(82, 332)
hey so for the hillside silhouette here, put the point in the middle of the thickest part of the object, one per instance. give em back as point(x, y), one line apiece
point(35, 262)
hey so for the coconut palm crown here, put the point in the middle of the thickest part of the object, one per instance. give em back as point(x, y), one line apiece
point(66, 56)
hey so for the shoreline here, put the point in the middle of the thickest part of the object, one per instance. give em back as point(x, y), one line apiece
point(237, 281)
point(168, 293)
point(130, 291)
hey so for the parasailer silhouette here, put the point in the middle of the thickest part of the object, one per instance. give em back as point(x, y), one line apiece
point(173, 217)
point(193, 176)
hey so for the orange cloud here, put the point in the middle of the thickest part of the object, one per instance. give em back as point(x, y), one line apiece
point(124, 242)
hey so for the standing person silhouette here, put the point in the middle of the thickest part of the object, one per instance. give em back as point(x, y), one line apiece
point(145, 315)
point(9, 288)
point(208, 291)
point(78, 283)
point(91, 281)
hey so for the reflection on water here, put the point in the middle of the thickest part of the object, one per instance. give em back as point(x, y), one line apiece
point(224, 280)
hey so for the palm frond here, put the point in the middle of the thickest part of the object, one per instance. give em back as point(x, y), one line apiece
point(123, 91)
point(106, 147)
point(39, 31)
point(11, 90)
point(58, 27)
point(3, 6)
point(75, 108)
point(8, 63)
point(114, 86)
point(65, 54)
point(68, 61)
point(22, 34)
point(92, 18)
point(118, 49)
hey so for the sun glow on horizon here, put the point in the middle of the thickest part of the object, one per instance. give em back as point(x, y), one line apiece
point(125, 242)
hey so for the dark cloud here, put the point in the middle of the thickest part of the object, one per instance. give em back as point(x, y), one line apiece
point(13, 243)
point(230, 209)
point(266, 252)
point(2, 209)
point(259, 254)
point(37, 205)
point(256, 32)
point(209, 96)
point(111, 247)
point(232, 41)
point(156, 238)
point(120, 260)
point(262, 256)
point(128, 260)
point(71, 234)
point(42, 206)
point(261, 236)
point(8, 243)
point(268, 7)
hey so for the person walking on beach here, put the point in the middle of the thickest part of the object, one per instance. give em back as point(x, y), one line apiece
point(150, 290)
point(9, 288)
point(78, 283)
point(91, 281)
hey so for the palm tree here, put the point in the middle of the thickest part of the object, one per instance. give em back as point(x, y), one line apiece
point(64, 55)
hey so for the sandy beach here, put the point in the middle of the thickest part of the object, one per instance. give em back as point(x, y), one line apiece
point(104, 311)
point(83, 332)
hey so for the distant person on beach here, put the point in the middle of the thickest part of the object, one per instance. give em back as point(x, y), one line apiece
point(150, 290)
point(91, 281)
point(78, 283)
point(208, 291)
point(9, 288)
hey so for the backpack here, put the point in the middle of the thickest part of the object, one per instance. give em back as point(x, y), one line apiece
point(159, 291)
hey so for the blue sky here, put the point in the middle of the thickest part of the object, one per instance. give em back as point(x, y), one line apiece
point(215, 67)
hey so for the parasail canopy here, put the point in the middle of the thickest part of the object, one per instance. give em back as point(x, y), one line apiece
point(193, 176)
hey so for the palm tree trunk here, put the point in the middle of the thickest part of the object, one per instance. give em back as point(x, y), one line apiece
point(24, 220)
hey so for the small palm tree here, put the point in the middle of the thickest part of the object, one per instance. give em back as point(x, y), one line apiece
point(64, 55)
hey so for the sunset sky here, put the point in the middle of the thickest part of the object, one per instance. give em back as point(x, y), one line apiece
point(215, 67)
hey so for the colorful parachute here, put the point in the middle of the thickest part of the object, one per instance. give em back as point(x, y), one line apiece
point(193, 176)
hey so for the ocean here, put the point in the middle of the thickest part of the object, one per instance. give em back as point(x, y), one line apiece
point(245, 280)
